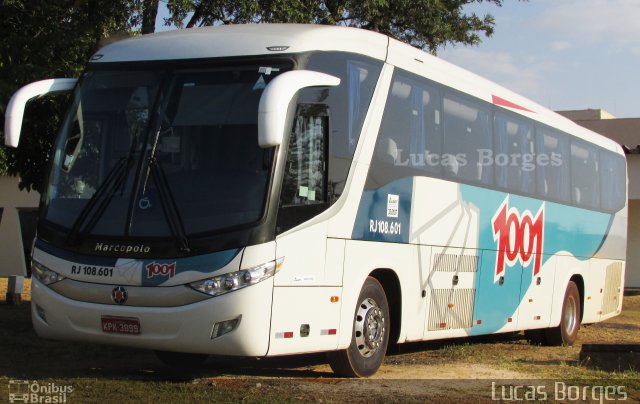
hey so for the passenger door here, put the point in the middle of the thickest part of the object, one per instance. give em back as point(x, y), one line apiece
point(304, 195)
point(306, 308)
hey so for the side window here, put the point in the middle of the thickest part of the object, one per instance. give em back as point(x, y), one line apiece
point(304, 185)
point(305, 181)
point(467, 136)
point(585, 175)
point(553, 165)
point(613, 185)
point(410, 140)
point(348, 102)
point(514, 158)
point(359, 81)
point(425, 146)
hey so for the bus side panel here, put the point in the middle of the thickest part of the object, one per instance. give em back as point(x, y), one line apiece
point(611, 270)
point(613, 289)
point(305, 319)
point(603, 287)
point(594, 279)
point(304, 252)
point(506, 222)
point(536, 296)
point(446, 228)
point(451, 291)
point(614, 245)
point(306, 315)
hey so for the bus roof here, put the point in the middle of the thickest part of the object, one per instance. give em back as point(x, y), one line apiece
point(244, 40)
point(274, 39)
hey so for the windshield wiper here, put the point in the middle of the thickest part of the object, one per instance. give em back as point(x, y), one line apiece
point(168, 202)
point(100, 199)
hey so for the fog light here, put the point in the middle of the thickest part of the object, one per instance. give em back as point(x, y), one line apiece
point(41, 313)
point(225, 327)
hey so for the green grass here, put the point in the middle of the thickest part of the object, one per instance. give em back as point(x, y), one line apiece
point(113, 374)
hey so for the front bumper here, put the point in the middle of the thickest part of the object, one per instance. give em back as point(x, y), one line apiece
point(181, 329)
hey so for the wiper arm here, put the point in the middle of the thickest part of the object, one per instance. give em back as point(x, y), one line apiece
point(169, 206)
point(100, 199)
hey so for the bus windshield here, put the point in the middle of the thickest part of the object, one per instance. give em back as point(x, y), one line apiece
point(161, 153)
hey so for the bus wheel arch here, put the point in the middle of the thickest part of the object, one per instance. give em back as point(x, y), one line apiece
point(579, 281)
point(369, 335)
point(391, 285)
point(567, 331)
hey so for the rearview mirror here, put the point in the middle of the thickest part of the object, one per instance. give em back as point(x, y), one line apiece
point(15, 110)
point(275, 99)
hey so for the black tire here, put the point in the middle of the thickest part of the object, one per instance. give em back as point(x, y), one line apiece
point(567, 332)
point(181, 360)
point(366, 352)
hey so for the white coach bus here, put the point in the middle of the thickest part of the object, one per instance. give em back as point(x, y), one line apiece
point(267, 190)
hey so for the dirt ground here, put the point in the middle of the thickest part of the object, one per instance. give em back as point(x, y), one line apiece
point(464, 370)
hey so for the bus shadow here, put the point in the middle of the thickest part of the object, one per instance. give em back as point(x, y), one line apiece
point(295, 366)
point(26, 356)
point(426, 346)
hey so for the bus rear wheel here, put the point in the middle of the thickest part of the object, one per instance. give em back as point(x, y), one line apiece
point(567, 332)
point(370, 334)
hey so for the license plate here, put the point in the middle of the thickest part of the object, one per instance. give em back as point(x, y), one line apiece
point(121, 325)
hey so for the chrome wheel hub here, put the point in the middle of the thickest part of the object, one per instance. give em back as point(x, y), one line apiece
point(370, 325)
point(570, 316)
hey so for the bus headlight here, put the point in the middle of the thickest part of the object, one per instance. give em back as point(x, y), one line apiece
point(226, 283)
point(44, 274)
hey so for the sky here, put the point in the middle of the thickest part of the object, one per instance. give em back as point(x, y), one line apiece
point(563, 54)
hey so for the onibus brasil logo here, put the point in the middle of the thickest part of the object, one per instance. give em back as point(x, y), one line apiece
point(519, 238)
point(25, 391)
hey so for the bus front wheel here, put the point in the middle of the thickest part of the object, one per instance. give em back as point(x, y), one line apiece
point(567, 332)
point(369, 337)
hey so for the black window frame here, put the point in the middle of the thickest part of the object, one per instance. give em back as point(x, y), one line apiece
point(382, 173)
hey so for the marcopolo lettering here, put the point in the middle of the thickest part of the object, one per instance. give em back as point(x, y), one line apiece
point(122, 248)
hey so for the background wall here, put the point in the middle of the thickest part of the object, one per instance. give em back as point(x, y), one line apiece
point(16, 206)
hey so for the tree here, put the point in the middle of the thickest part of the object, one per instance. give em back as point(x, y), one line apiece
point(43, 39)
